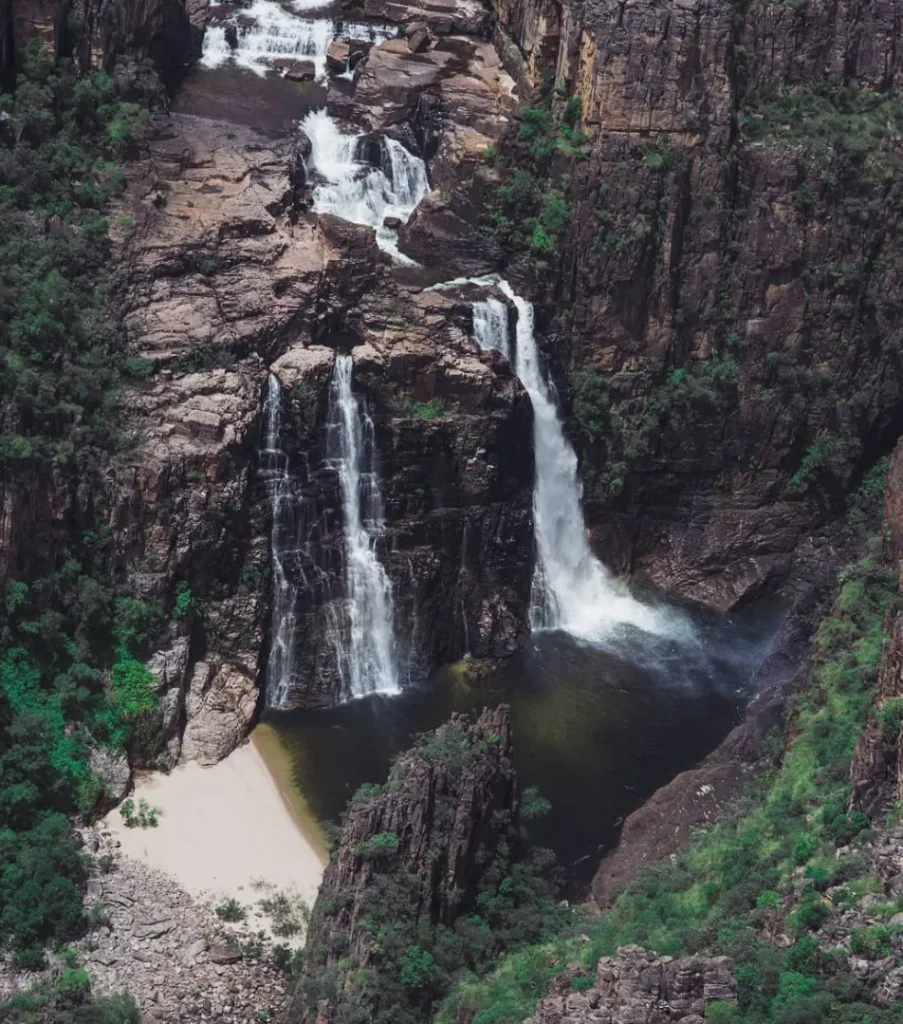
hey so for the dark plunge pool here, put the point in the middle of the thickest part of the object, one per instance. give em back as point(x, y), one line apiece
point(596, 728)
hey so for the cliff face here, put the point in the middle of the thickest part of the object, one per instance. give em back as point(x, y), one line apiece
point(169, 32)
point(719, 310)
point(418, 849)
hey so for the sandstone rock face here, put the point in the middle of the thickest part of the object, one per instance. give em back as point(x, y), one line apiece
point(168, 32)
point(221, 280)
point(444, 17)
point(668, 260)
point(638, 987)
point(447, 803)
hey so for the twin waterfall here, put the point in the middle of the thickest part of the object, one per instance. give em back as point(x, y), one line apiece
point(284, 538)
point(364, 642)
point(371, 180)
point(572, 590)
point(367, 662)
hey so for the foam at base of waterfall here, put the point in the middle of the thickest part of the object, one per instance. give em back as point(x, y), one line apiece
point(276, 33)
point(359, 192)
point(367, 661)
point(572, 589)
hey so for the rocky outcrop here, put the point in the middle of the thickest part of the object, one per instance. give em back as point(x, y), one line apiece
point(433, 828)
point(637, 985)
point(91, 32)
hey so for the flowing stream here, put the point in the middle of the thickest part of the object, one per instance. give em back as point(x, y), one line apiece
point(367, 660)
point(356, 190)
point(267, 32)
point(284, 538)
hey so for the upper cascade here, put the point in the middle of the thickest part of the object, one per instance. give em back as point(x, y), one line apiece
point(356, 190)
point(367, 656)
point(267, 32)
point(572, 589)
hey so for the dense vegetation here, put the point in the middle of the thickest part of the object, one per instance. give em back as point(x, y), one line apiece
point(788, 856)
point(530, 211)
point(70, 676)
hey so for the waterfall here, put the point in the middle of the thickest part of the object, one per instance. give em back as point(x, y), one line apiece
point(357, 191)
point(284, 539)
point(572, 590)
point(367, 660)
point(276, 33)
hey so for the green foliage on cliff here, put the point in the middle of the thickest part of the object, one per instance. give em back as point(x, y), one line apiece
point(837, 127)
point(71, 679)
point(413, 957)
point(530, 212)
point(60, 359)
point(763, 868)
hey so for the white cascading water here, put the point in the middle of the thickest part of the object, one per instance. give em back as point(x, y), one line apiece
point(572, 590)
point(276, 33)
point(274, 466)
point(367, 660)
point(359, 192)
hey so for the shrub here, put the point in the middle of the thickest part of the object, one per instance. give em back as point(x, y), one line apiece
point(890, 717)
point(230, 910)
point(145, 816)
point(871, 941)
point(383, 844)
point(533, 804)
point(434, 409)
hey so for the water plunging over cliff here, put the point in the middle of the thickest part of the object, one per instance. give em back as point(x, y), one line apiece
point(572, 590)
point(367, 658)
point(356, 190)
point(274, 466)
point(267, 32)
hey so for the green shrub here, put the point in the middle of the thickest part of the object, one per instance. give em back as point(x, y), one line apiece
point(890, 717)
point(230, 910)
point(871, 941)
point(434, 409)
point(383, 844)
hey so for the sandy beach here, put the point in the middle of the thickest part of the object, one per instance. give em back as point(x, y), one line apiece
point(225, 828)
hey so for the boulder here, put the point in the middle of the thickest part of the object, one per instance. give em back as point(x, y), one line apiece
point(296, 70)
point(113, 770)
point(392, 222)
point(418, 36)
point(337, 55)
point(224, 953)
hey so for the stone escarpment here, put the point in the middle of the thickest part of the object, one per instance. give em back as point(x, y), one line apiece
point(168, 32)
point(719, 310)
point(418, 849)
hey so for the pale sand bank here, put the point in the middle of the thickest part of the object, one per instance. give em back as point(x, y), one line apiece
point(224, 827)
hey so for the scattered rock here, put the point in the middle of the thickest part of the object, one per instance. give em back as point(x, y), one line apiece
point(224, 953)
